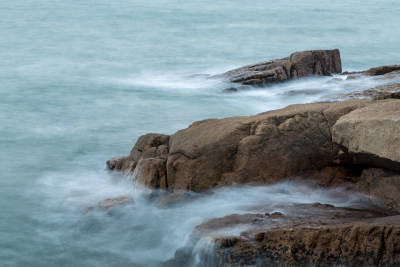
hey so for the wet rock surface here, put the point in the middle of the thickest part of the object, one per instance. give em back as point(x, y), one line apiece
point(302, 234)
point(367, 242)
point(297, 65)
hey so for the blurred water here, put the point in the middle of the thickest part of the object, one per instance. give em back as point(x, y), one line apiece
point(82, 80)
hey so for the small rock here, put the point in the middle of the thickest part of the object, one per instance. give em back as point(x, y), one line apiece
point(110, 203)
point(230, 90)
point(276, 214)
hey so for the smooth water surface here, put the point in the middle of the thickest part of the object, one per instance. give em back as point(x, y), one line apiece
point(80, 81)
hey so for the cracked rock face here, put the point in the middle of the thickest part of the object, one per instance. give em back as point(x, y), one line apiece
point(297, 65)
point(256, 149)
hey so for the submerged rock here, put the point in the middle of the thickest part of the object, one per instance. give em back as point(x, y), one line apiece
point(297, 65)
point(110, 203)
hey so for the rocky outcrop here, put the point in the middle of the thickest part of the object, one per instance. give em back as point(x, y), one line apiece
point(268, 147)
point(297, 65)
point(257, 149)
point(368, 242)
point(301, 235)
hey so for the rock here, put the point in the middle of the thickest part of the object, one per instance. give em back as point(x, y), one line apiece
point(369, 242)
point(230, 90)
point(328, 143)
point(309, 235)
point(382, 188)
point(120, 163)
point(382, 70)
point(148, 157)
point(299, 64)
point(371, 135)
point(390, 76)
point(388, 95)
point(256, 149)
point(110, 203)
point(379, 92)
point(351, 72)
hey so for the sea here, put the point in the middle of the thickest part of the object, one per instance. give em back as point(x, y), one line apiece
point(81, 80)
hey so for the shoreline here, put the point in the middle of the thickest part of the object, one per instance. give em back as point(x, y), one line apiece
point(351, 143)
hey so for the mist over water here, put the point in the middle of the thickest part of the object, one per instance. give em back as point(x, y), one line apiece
point(82, 80)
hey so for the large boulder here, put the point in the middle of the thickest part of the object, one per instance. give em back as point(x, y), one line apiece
point(298, 64)
point(256, 149)
point(371, 135)
point(271, 146)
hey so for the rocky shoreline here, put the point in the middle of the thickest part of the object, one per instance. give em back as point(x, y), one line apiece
point(354, 144)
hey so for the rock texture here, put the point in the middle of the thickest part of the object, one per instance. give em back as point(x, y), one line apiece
point(148, 157)
point(302, 235)
point(268, 147)
point(371, 134)
point(299, 64)
point(382, 70)
point(354, 143)
point(369, 242)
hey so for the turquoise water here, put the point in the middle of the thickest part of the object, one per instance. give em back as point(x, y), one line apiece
point(82, 80)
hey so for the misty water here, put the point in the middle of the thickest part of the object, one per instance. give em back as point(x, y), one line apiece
point(82, 80)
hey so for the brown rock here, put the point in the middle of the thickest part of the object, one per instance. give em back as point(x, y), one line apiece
point(152, 173)
point(120, 163)
point(257, 149)
point(299, 64)
point(301, 140)
point(310, 235)
point(382, 188)
point(371, 134)
point(148, 157)
point(371, 242)
point(382, 70)
point(388, 95)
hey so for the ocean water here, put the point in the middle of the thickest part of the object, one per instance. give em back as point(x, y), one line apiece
point(80, 81)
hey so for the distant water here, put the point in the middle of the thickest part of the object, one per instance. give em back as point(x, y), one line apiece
point(80, 81)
